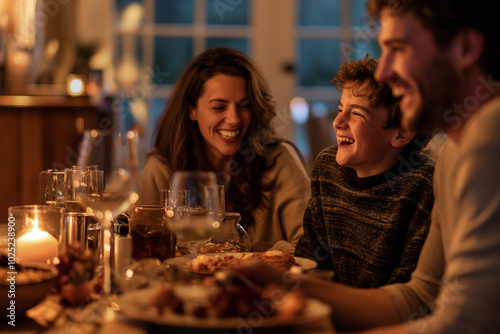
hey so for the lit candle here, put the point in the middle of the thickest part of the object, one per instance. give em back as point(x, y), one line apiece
point(36, 246)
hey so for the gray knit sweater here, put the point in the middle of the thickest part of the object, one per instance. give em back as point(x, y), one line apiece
point(368, 230)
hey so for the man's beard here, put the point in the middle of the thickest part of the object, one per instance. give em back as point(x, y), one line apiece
point(439, 91)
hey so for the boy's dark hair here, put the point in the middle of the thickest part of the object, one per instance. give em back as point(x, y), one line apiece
point(445, 18)
point(358, 76)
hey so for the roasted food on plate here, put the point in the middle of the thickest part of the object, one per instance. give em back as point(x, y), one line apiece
point(210, 264)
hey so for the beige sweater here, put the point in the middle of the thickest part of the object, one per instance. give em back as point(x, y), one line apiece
point(458, 272)
point(280, 221)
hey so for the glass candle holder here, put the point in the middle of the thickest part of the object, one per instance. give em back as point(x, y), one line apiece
point(37, 232)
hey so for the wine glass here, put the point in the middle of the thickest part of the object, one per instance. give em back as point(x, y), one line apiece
point(195, 224)
point(107, 184)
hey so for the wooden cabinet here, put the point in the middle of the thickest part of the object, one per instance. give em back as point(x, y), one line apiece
point(38, 133)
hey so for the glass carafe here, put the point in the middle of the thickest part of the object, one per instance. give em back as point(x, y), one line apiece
point(229, 236)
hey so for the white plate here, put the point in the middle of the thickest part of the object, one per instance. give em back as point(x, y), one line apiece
point(136, 306)
point(181, 261)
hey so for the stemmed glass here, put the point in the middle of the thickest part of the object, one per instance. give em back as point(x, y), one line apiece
point(193, 223)
point(114, 154)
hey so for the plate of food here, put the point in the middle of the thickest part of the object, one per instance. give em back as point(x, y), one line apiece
point(209, 263)
point(202, 308)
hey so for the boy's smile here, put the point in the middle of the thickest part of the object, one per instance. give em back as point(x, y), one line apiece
point(363, 143)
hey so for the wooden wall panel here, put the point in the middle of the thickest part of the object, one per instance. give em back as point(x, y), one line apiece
point(38, 133)
point(10, 161)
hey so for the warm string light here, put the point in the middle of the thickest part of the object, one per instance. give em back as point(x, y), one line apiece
point(75, 85)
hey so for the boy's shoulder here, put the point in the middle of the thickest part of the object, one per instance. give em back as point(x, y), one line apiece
point(327, 156)
point(416, 171)
point(328, 153)
point(420, 163)
point(326, 162)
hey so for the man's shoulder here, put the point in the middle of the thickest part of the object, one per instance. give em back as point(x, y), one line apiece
point(483, 127)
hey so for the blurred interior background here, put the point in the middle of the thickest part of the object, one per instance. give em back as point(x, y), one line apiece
point(69, 65)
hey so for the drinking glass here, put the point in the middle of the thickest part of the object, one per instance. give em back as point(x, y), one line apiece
point(87, 178)
point(115, 154)
point(52, 187)
point(151, 237)
point(195, 226)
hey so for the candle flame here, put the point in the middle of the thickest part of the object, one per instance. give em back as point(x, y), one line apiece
point(33, 223)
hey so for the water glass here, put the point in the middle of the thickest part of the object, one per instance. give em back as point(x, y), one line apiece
point(195, 228)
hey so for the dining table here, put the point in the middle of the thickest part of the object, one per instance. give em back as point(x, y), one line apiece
point(26, 325)
point(53, 315)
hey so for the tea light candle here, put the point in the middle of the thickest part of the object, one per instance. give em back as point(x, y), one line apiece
point(36, 246)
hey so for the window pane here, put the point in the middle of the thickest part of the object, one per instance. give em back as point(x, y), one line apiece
point(240, 44)
point(359, 17)
point(174, 11)
point(172, 54)
point(320, 129)
point(157, 107)
point(227, 12)
point(318, 61)
point(319, 13)
point(362, 47)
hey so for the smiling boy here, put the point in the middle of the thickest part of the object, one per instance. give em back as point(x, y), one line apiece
point(369, 213)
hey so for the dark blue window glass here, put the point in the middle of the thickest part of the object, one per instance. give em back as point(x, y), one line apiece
point(227, 12)
point(240, 44)
point(322, 13)
point(174, 11)
point(171, 56)
point(359, 16)
point(362, 47)
point(157, 106)
point(318, 61)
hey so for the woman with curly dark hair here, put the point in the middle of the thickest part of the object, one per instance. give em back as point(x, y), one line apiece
point(218, 118)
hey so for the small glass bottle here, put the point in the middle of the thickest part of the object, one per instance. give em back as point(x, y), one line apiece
point(123, 249)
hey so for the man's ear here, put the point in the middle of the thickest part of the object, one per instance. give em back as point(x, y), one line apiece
point(402, 137)
point(193, 114)
point(467, 48)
